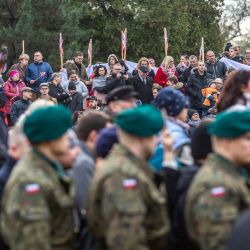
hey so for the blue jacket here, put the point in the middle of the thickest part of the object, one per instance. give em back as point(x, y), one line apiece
point(33, 72)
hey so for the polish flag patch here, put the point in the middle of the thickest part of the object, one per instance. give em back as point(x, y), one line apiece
point(218, 192)
point(33, 188)
point(129, 184)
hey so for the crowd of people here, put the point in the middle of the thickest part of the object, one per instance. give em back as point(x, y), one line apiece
point(154, 158)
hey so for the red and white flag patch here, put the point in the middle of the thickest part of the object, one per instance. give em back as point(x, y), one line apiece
point(129, 183)
point(33, 188)
point(218, 191)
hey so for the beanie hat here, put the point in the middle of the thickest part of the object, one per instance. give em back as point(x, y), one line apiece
point(72, 86)
point(13, 73)
point(172, 100)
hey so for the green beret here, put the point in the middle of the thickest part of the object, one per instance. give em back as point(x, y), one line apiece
point(47, 123)
point(230, 124)
point(142, 121)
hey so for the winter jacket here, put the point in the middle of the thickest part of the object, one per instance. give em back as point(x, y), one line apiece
point(217, 70)
point(2, 97)
point(180, 70)
point(151, 73)
point(79, 68)
point(34, 71)
point(80, 88)
point(18, 108)
point(210, 97)
point(76, 103)
point(162, 78)
point(195, 84)
point(186, 74)
point(3, 130)
point(56, 91)
point(144, 90)
point(12, 92)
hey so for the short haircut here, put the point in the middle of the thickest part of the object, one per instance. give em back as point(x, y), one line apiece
point(78, 53)
point(16, 136)
point(156, 86)
point(38, 52)
point(24, 56)
point(73, 72)
point(91, 121)
point(192, 57)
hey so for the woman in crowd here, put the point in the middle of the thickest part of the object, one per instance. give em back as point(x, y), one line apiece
point(166, 69)
point(12, 91)
point(112, 60)
point(144, 62)
point(236, 93)
point(182, 66)
point(56, 90)
point(99, 80)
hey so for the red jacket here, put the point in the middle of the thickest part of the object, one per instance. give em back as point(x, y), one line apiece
point(12, 90)
point(162, 78)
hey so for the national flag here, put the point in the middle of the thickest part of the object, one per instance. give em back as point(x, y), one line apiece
point(201, 57)
point(218, 192)
point(129, 184)
point(61, 44)
point(124, 43)
point(33, 188)
point(90, 48)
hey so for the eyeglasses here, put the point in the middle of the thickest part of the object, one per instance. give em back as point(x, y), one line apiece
point(117, 69)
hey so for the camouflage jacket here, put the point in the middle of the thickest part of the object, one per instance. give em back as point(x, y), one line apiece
point(125, 209)
point(37, 206)
point(217, 195)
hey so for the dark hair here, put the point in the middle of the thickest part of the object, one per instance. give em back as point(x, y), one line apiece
point(123, 64)
point(92, 121)
point(97, 70)
point(156, 86)
point(73, 72)
point(78, 53)
point(232, 92)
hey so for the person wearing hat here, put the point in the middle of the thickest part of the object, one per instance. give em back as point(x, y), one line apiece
point(44, 93)
point(92, 103)
point(37, 205)
point(12, 91)
point(175, 105)
point(125, 209)
point(143, 85)
point(19, 107)
point(76, 99)
point(120, 99)
point(219, 192)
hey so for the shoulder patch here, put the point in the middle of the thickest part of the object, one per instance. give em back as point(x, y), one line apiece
point(33, 188)
point(218, 191)
point(129, 183)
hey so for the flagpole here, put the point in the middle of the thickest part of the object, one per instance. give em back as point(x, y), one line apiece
point(90, 52)
point(23, 51)
point(165, 41)
point(61, 53)
point(122, 44)
point(203, 53)
point(125, 49)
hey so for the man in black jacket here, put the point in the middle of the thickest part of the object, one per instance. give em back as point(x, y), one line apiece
point(117, 79)
point(20, 106)
point(143, 85)
point(76, 103)
point(214, 67)
point(187, 72)
point(198, 80)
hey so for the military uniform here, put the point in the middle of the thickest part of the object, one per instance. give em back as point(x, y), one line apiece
point(126, 210)
point(49, 98)
point(37, 206)
point(218, 194)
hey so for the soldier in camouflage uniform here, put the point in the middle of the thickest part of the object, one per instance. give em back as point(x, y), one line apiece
point(220, 191)
point(126, 210)
point(38, 198)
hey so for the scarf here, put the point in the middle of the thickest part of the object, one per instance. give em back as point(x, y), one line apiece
point(168, 71)
point(99, 81)
point(194, 123)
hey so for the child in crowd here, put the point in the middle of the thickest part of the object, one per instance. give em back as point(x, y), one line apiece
point(173, 82)
point(193, 120)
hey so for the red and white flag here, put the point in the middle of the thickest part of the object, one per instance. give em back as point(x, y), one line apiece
point(166, 41)
point(124, 44)
point(61, 44)
point(90, 48)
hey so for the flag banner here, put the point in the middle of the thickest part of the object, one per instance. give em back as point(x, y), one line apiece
point(238, 66)
point(124, 44)
point(90, 50)
point(61, 49)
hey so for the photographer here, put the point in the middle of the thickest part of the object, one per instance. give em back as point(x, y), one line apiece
point(117, 79)
point(56, 91)
point(76, 99)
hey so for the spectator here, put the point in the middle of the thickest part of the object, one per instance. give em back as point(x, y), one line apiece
point(234, 54)
point(193, 63)
point(12, 90)
point(38, 72)
point(56, 91)
point(21, 66)
point(152, 65)
point(92, 103)
point(182, 66)
point(155, 89)
point(247, 56)
point(80, 86)
point(142, 84)
point(19, 107)
point(144, 62)
point(193, 120)
point(76, 99)
point(44, 93)
point(112, 60)
point(167, 69)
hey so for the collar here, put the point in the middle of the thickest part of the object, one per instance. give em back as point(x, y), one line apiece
point(55, 165)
